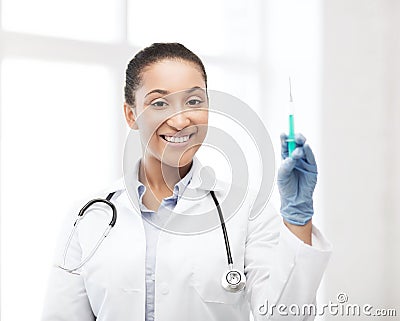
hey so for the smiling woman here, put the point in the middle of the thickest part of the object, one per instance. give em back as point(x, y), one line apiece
point(145, 271)
point(154, 96)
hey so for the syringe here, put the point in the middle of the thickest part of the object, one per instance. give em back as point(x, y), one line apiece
point(291, 141)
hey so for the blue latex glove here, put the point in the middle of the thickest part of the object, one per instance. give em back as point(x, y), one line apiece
point(297, 178)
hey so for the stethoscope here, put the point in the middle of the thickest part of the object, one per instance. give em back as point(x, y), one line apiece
point(232, 279)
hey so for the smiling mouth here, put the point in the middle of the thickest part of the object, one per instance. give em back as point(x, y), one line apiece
point(177, 140)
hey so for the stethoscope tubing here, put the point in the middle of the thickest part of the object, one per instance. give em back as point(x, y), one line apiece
point(81, 215)
point(226, 282)
point(101, 200)
point(224, 231)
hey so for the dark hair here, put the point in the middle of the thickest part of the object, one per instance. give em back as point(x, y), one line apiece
point(153, 54)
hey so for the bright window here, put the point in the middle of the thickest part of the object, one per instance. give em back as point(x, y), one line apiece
point(56, 146)
point(90, 20)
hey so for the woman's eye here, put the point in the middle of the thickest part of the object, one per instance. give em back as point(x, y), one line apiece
point(193, 102)
point(159, 103)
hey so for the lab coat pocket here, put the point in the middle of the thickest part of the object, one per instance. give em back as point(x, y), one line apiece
point(119, 302)
point(211, 264)
point(207, 283)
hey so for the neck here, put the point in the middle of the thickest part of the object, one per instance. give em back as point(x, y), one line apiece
point(160, 176)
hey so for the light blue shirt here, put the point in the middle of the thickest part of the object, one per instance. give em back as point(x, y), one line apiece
point(152, 231)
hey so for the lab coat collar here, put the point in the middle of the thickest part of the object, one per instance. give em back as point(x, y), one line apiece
point(130, 183)
point(198, 171)
point(178, 189)
point(195, 183)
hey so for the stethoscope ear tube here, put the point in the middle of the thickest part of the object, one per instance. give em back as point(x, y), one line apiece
point(105, 201)
point(81, 214)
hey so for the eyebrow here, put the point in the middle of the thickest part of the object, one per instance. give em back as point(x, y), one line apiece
point(166, 92)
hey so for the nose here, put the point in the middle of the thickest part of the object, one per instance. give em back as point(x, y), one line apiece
point(179, 121)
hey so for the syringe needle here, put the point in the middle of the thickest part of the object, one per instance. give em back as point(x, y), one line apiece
point(290, 90)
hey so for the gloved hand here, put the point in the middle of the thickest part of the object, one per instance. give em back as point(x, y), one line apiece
point(297, 177)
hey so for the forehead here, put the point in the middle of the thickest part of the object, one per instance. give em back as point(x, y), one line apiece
point(171, 75)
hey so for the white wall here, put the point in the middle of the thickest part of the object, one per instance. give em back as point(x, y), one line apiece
point(360, 156)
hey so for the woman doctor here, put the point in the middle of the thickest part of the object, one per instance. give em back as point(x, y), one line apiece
point(143, 272)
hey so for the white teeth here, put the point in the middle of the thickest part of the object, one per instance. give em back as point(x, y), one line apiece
point(177, 139)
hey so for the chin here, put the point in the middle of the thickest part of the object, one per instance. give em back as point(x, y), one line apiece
point(177, 160)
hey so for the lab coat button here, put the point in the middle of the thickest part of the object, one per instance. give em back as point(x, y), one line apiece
point(164, 288)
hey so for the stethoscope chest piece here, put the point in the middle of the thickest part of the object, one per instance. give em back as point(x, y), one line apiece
point(233, 280)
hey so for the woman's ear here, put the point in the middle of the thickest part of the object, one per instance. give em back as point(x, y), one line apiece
point(130, 116)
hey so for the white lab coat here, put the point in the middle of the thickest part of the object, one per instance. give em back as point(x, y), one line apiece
point(111, 287)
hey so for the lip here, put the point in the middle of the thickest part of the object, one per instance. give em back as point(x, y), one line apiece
point(176, 135)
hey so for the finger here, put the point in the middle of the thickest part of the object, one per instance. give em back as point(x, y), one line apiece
point(286, 168)
point(298, 153)
point(284, 138)
point(284, 146)
point(299, 139)
point(309, 155)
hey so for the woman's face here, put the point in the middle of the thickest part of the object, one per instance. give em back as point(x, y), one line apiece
point(171, 111)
